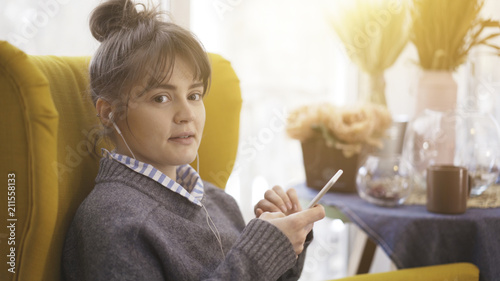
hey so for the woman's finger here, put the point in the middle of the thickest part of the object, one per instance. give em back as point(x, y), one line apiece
point(275, 199)
point(292, 194)
point(284, 196)
point(266, 206)
point(258, 212)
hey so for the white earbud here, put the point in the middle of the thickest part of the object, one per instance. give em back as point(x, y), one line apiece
point(114, 125)
point(110, 116)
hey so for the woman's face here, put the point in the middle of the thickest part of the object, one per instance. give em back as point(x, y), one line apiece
point(165, 124)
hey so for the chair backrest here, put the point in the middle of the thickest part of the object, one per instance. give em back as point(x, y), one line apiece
point(47, 131)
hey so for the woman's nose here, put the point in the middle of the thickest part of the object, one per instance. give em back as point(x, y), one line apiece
point(184, 112)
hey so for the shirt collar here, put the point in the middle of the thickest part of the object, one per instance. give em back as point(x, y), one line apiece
point(186, 176)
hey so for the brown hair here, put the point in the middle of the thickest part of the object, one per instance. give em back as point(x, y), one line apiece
point(136, 48)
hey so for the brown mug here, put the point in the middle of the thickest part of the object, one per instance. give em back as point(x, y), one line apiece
point(448, 189)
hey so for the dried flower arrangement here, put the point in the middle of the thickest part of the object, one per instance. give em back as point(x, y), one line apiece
point(345, 128)
point(445, 31)
point(374, 33)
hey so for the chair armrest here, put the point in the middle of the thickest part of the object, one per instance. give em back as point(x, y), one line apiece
point(455, 271)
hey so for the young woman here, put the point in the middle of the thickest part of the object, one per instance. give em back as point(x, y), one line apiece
point(150, 216)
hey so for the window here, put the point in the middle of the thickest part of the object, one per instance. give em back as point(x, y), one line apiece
point(286, 55)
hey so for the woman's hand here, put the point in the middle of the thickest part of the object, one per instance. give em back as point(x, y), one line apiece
point(295, 226)
point(277, 200)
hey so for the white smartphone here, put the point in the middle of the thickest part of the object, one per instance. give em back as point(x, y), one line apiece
point(325, 189)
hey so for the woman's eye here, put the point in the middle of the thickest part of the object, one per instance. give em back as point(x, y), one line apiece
point(195, 97)
point(161, 99)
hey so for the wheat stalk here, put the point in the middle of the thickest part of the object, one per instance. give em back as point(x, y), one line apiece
point(444, 32)
point(374, 32)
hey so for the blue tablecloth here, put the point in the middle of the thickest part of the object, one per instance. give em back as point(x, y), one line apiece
point(412, 237)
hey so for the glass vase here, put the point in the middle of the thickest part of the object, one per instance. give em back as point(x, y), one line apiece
point(384, 180)
point(461, 138)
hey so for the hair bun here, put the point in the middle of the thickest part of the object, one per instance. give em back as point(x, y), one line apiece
point(110, 17)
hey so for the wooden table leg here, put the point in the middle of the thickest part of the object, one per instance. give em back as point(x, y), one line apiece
point(367, 256)
point(362, 254)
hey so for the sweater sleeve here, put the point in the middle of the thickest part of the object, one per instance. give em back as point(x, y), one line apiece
point(262, 252)
point(295, 272)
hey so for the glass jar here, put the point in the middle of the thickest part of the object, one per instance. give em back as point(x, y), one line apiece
point(460, 138)
point(384, 180)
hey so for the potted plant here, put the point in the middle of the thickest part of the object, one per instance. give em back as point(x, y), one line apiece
point(335, 137)
point(444, 32)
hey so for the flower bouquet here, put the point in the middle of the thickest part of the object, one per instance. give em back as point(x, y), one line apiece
point(334, 137)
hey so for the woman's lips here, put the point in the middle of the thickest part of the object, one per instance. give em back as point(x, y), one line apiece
point(183, 139)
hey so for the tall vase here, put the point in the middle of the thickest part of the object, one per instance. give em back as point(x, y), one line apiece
point(430, 135)
point(437, 91)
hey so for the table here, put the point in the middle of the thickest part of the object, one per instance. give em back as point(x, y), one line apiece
point(413, 237)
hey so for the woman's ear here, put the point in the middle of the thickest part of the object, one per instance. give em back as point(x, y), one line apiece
point(103, 110)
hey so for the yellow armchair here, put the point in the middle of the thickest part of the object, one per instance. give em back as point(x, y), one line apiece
point(447, 272)
point(47, 131)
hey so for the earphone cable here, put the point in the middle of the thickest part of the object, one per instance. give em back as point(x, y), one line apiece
point(214, 230)
point(120, 133)
point(197, 163)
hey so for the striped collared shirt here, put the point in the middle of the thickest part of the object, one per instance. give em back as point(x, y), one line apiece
point(186, 176)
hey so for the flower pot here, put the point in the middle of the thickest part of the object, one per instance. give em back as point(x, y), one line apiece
point(322, 162)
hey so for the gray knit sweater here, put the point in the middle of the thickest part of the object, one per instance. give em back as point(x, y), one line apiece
point(132, 228)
